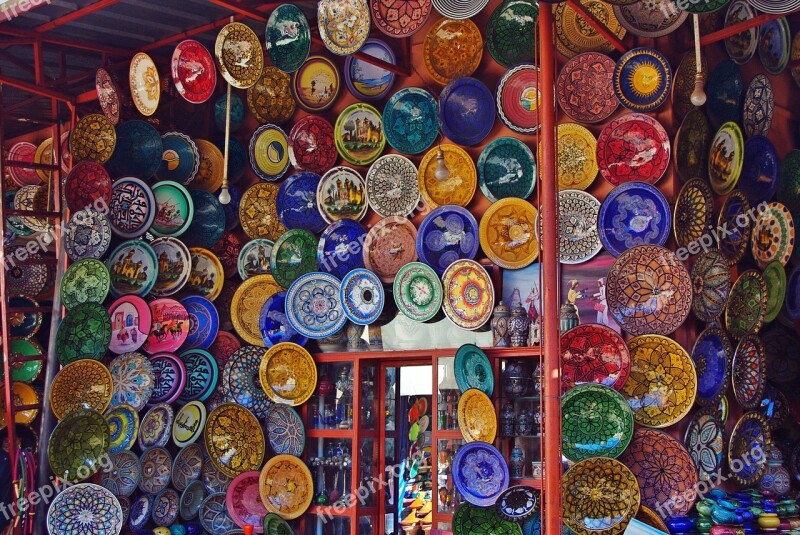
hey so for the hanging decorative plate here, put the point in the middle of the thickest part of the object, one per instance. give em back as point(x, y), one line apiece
point(726, 158)
point(759, 102)
point(108, 95)
point(773, 235)
point(473, 370)
point(711, 283)
point(507, 235)
point(240, 382)
point(202, 375)
point(578, 235)
point(239, 55)
point(133, 268)
point(294, 254)
point(642, 76)
point(132, 208)
point(452, 49)
point(82, 384)
point(93, 138)
point(748, 376)
point(156, 470)
point(480, 473)
point(269, 155)
point(311, 145)
point(274, 324)
point(510, 32)
point(234, 440)
point(789, 185)
point(285, 431)
point(208, 223)
point(85, 281)
point(258, 213)
point(78, 444)
point(703, 7)
point(651, 20)
point(340, 194)
point(213, 514)
point(288, 38)
point(459, 10)
point(24, 324)
point(85, 332)
point(246, 306)
point(584, 88)
point(506, 168)
point(417, 291)
point(286, 486)
point(170, 378)
point(243, 501)
point(683, 85)
point(469, 294)
point(174, 266)
point(288, 374)
point(85, 508)
point(471, 520)
point(458, 188)
point(725, 91)
point(193, 71)
point(712, 354)
point(663, 468)
point(633, 147)
point(362, 296)
point(596, 422)
point(189, 461)
point(343, 25)
point(297, 202)
point(140, 511)
point(400, 18)
point(734, 241)
point(313, 307)
point(221, 113)
point(518, 503)
point(450, 233)
point(170, 326)
point(203, 322)
point(154, 431)
point(774, 45)
point(476, 417)
point(180, 161)
point(24, 152)
point(760, 170)
point(662, 385)
point(692, 141)
point(518, 99)
point(186, 429)
point(125, 472)
point(410, 120)
point(30, 279)
point(747, 303)
point(593, 353)
point(392, 186)
point(316, 84)
point(359, 135)
point(775, 277)
point(368, 82)
point(705, 442)
point(466, 111)
point(577, 157)
point(634, 213)
point(575, 35)
point(271, 100)
point(25, 372)
point(144, 83)
point(742, 46)
point(133, 377)
point(22, 394)
point(87, 184)
point(751, 439)
point(694, 210)
point(254, 258)
point(165, 507)
point(207, 275)
point(390, 244)
point(29, 198)
point(123, 425)
point(16, 223)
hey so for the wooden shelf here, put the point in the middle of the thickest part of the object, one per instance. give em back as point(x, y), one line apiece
point(493, 352)
point(329, 510)
point(535, 483)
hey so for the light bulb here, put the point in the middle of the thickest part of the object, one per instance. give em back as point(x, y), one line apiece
point(224, 196)
point(442, 172)
point(698, 97)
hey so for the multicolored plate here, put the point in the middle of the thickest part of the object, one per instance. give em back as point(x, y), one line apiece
point(480, 473)
point(748, 372)
point(694, 211)
point(234, 439)
point(202, 375)
point(400, 18)
point(651, 20)
point(316, 84)
point(359, 135)
point(288, 37)
point(447, 234)
point(170, 378)
point(410, 120)
point(747, 304)
point(154, 431)
point(466, 111)
point(25, 324)
point(452, 49)
point(213, 514)
point(207, 275)
point(472, 520)
point(133, 268)
point(125, 472)
point(507, 234)
point(239, 55)
point(725, 92)
point(742, 46)
point(193, 71)
point(705, 442)
point(258, 213)
point(711, 280)
point(203, 322)
point(692, 142)
point(134, 379)
point(726, 158)
point(477, 420)
point(311, 145)
point(510, 32)
point(341, 194)
point(518, 99)
point(518, 503)
point(93, 138)
point(108, 95)
point(392, 186)
point(633, 147)
point(734, 217)
point(362, 296)
point(81, 384)
point(246, 306)
point(313, 306)
point(123, 426)
point(774, 45)
point(85, 332)
point(174, 209)
point(642, 76)
point(132, 208)
point(186, 429)
point(269, 152)
point(596, 421)
point(240, 381)
point(208, 223)
point(293, 255)
point(285, 431)
point(368, 82)
point(773, 235)
point(145, 84)
point(85, 281)
point(336, 246)
point(712, 355)
point(286, 486)
point(759, 103)
point(593, 353)
point(288, 374)
point(506, 168)
point(459, 186)
point(174, 266)
point(584, 88)
point(156, 471)
point(634, 213)
point(469, 294)
point(243, 501)
point(751, 435)
point(343, 25)
point(170, 326)
point(418, 291)
point(575, 35)
point(274, 324)
point(390, 244)
point(85, 508)
point(775, 277)
point(254, 258)
point(297, 204)
point(87, 184)
point(579, 239)
point(577, 156)
point(78, 445)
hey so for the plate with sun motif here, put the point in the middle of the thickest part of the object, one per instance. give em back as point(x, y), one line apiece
point(748, 374)
point(288, 374)
point(507, 234)
point(633, 147)
point(651, 19)
point(286, 486)
point(574, 35)
point(584, 88)
point(596, 421)
point(694, 210)
point(712, 355)
point(234, 439)
point(692, 140)
point(343, 25)
point(662, 385)
point(458, 188)
point(773, 235)
point(726, 158)
point(81, 384)
point(418, 291)
point(246, 306)
point(747, 304)
point(145, 84)
point(452, 49)
point(476, 416)
point(751, 440)
point(705, 442)
point(577, 156)
point(642, 79)
point(239, 55)
point(775, 277)
point(468, 294)
point(735, 224)
point(711, 279)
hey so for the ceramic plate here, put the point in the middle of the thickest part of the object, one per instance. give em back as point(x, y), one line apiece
point(316, 84)
point(747, 303)
point(93, 138)
point(705, 442)
point(711, 278)
point(22, 394)
point(518, 503)
point(30, 279)
point(239, 55)
point(288, 374)
point(789, 184)
point(85, 332)
point(459, 10)
point(274, 324)
point(596, 421)
point(207, 273)
point(208, 221)
point(472, 519)
point(85, 281)
point(234, 440)
point(634, 213)
point(417, 291)
point(734, 242)
point(29, 198)
point(26, 372)
point(473, 370)
point(243, 501)
point(87, 185)
point(203, 322)
point(507, 234)
point(694, 210)
point(452, 49)
point(584, 88)
point(742, 46)
point(165, 507)
point(362, 296)
point(246, 306)
point(271, 99)
point(170, 326)
point(773, 235)
point(297, 202)
point(447, 234)
point(642, 78)
point(390, 244)
point(752, 433)
point(313, 306)
point(170, 378)
point(726, 158)
point(108, 95)
point(188, 426)
point(134, 379)
point(633, 147)
point(692, 142)
point(213, 514)
point(133, 268)
point(222, 112)
point(154, 431)
point(518, 99)
point(683, 84)
point(311, 145)
point(174, 209)
point(138, 152)
point(574, 35)
point(193, 71)
point(359, 135)
point(156, 470)
point(24, 152)
point(254, 258)
point(82, 384)
point(343, 25)
point(400, 18)
point(476, 417)
point(578, 235)
point(341, 194)
point(123, 426)
point(285, 431)
point(775, 277)
point(410, 120)
point(392, 186)
point(725, 93)
point(124, 475)
point(594, 353)
point(366, 81)
point(144, 83)
point(269, 156)
point(240, 382)
point(294, 254)
point(77, 445)
point(202, 375)
point(288, 37)
point(510, 32)
point(286, 486)
point(469, 294)
point(748, 375)
point(774, 45)
point(759, 102)
point(174, 266)
point(188, 463)
point(712, 354)
point(458, 188)
point(506, 168)
point(480, 473)
point(576, 155)
point(258, 213)
point(85, 508)
point(651, 20)
point(132, 209)
point(466, 111)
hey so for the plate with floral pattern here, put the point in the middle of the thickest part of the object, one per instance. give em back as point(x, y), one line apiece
point(134, 379)
point(258, 213)
point(711, 279)
point(144, 83)
point(694, 210)
point(271, 99)
point(246, 306)
point(93, 138)
point(343, 25)
point(468, 294)
point(78, 444)
point(85, 281)
point(597, 422)
point(400, 18)
point(108, 94)
point(418, 291)
point(748, 374)
point(773, 235)
point(81, 384)
point(747, 304)
point(156, 470)
point(88, 235)
point(469, 519)
point(234, 439)
point(85, 332)
point(705, 442)
point(584, 88)
point(313, 306)
point(85, 508)
point(477, 420)
point(285, 431)
point(579, 240)
point(286, 486)
point(480, 473)
point(410, 120)
point(87, 184)
point(633, 147)
point(155, 427)
point(473, 370)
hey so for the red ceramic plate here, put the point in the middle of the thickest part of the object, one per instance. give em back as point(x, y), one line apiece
point(518, 99)
point(169, 328)
point(633, 147)
point(107, 95)
point(584, 88)
point(193, 71)
point(85, 184)
point(400, 18)
point(23, 176)
point(593, 353)
point(243, 501)
point(311, 145)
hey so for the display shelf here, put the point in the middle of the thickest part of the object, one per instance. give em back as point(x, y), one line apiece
point(330, 433)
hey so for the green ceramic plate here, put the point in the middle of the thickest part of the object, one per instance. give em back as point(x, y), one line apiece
point(294, 254)
point(418, 291)
point(174, 209)
point(506, 168)
point(26, 372)
point(726, 157)
point(775, 277)
point(288, 37)
point(78, 444)
point(85, 281)
point(473, 520)
point(510, 32)
point(596, 421)
point(359, 135)
point(84, 333)
point(473, 370)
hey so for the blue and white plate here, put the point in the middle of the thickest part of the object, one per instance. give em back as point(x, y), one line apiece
point(362, 296)
point(411, 120)
point(274, 324)
point(313, 306)
point(480, 473)
point(123, 427)
point(759, 105)
point(132, 208)
point(712, 355)
point(368, 82)
point(202, 375)
point(208, 222)
point(285, 431)
point(297, 203)
point(203, 322)
point(634, 213)
point(138, 151)
point(447, 234)
point(340, 248)
point(466, 111)
point(761, 170)
point(85, 508)
point(774, 45)
point(240, 381)
point(139, 515)
point(725, 92)
point(237, 112)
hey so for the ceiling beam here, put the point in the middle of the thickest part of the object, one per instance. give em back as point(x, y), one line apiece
point(69, 43)
point(14, 8)
point(36, 90)
point(75, 15)
point(245, 12)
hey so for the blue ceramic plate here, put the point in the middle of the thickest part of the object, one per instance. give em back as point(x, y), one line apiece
point(642, 79)
point(447, 234)
point(237, 157)
point(208, 222)
point(240, 381)
point(85, 508)
point(793, 295)
point(506, 168)
point(123, 426)
point(133, 268)
point(203, 322)
point(285, 431)
point(313, 305)
point(274, 325)
point(368, 82)
point(201, 375)
point(297, 203)
point(410, 120)
point(140, 512)
point(138, 151)
point(170, 375)
point(759, 104)
point(232, 208)
point(466, 111)
point(362, 296)
point(473, 370)
point(712, 355)
point(634, 213)
point(132, 208)
point(181, 159)
point(760, 172)
point(725, 90)
point(237, 112)
point(774, 45)
point(340, 248)
point(480, 473)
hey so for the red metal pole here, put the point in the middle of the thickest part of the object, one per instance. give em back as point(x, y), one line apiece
point(739, 27)
point(34, 89)
point(598, 25)
point(550, 270)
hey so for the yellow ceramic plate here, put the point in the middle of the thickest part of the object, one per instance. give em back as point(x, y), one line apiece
point(258, 213)
point(507, 233)
point(476, 417)
point(288, 374)
point(453, 48)
point(246, 306)
point(239, 55)
point(207, 274)
point(316, 84)
point(145, 84)
point(286, 486)
point(93, 138)
point(577, 157)
point(269, 152)
point(83, 384)
point(44, 155)
point(468, 294)
point(459, 188)
point(234, 440)
point(343, 25)
point(575, 36)
point(23, 394)
point(212, 162)
point(271, 100)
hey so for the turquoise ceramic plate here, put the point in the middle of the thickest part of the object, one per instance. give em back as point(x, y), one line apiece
point(473, 370)
point(506, 168)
